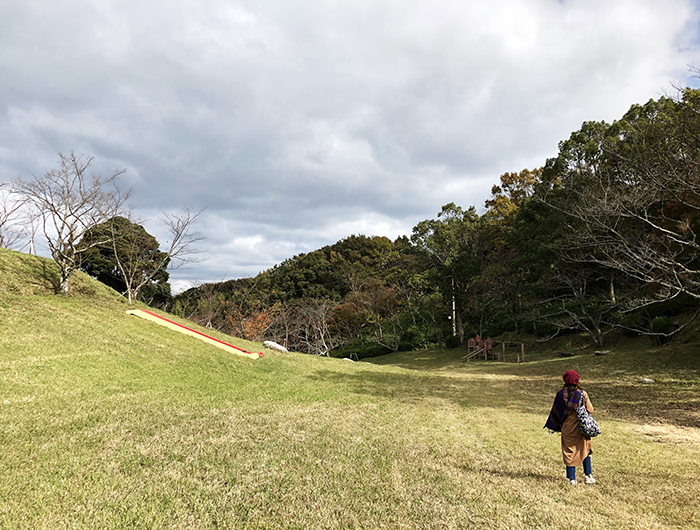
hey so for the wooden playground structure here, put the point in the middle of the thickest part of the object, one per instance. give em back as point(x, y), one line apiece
point(477, 347)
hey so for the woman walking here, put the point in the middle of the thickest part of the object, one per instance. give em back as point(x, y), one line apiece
point(575, 447)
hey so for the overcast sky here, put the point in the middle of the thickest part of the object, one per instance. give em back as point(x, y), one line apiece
point(298, 123)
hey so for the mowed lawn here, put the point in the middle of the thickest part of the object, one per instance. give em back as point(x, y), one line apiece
point(110, 421)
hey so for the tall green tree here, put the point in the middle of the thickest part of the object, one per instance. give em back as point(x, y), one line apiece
point(449, 246)
point(503, 283)
point(507, 196)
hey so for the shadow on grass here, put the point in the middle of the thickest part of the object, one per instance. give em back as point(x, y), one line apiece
point(421, 360)
point(414, 387)
point(518, 475)
point(614, 383)
point(48, 277)
point(674, 404)
point(28, 274)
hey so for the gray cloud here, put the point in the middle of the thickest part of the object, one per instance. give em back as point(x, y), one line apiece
point(297, 124)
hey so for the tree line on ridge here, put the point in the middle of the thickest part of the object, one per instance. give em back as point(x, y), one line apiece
point(602, 237)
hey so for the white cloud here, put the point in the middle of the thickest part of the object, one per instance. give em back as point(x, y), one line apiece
point(297, 124)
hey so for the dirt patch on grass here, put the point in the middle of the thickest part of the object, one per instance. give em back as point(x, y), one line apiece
point(671, 434)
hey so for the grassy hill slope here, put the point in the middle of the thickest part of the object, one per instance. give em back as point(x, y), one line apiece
point(110, 421)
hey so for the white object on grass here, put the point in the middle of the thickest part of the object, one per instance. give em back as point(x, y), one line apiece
point(275, 346)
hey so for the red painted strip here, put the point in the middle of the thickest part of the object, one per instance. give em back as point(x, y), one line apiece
point(202, 334)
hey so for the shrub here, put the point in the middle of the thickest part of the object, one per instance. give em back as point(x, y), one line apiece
point(359, 349)
point(661, 325)
point(406, 346)
point(452, 341)
point(372, 350)
point(630, 323)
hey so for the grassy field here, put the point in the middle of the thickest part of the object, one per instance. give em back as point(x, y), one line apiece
point(110, 421)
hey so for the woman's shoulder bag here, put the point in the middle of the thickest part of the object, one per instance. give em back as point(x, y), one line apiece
point(586, 423)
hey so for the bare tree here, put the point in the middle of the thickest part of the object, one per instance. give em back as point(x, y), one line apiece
point(139, 264)
point(632, 200)
point(649, 242)
point(312, 326)
point(576, 302)
point(11, 229)
point(70, 200)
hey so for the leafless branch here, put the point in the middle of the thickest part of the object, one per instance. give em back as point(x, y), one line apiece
point(70, 201)
point(12, 230)
point(181, 245)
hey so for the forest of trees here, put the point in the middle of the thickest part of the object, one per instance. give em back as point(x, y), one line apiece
point(602, 237)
